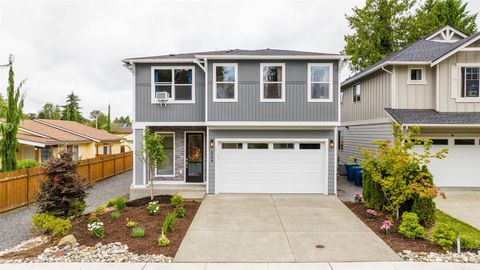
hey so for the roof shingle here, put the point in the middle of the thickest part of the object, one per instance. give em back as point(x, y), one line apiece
point(419, 117)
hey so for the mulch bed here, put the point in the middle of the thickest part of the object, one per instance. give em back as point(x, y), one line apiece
point(394, 240)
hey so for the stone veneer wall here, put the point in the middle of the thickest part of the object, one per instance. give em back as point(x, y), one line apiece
point(179, 150)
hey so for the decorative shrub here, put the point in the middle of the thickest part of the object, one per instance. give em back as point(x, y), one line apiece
point(180, 212)
point(372, 191)
point(386, 226)
point(97, 229)
point(358, 198)
point(425, 210)
point(115, 215)
point(169, 222)
point(27, 164)
point(111, 202)
point(410, 228)
point(445, 236)
point(48, 223)
point(163, 240)
point(177, 200)
point(99, 210)
point(93, 217)
point(131, 223)
point(371, 213)
point(120, 203)
point(63, 193)
point(153, 208)
point(138, 232)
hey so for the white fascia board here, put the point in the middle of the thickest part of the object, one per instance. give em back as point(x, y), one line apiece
point(26, 142)
point(153, 60)
point(445, 56)
point(143, 125)
point(274, 57)
point(273, 124)
point(443, 29)
point(441, 125)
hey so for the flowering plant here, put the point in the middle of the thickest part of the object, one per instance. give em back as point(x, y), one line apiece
point(371, 213)
point(358, 198)
point(96, 228)
point(386, 226)
point(153, 208)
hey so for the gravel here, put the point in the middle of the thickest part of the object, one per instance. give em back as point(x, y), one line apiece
point(108, 253)
point(16, 224)
point(463, 257)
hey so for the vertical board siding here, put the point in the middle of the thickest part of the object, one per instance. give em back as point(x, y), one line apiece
point(361, 136)
point(266, 134)
point(138, 172)
point(415, 96)
point(374, 98)
point(19, 188)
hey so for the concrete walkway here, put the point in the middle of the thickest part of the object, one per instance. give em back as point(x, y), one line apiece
point(15, 225)
point(462, 204)
point(279, 228)
point(246, 266)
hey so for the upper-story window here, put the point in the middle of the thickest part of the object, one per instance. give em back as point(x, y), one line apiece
point(272, 84)
point(356, 93)
point(225, 82)
point(176, 81)
point(471, 82)
point(416, 75)
point(320, 82)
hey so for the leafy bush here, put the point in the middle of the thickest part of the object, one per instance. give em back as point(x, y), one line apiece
point(138, 232)
point(425, 210)
point(120, 203)
point(469, 242)
point(410, 228)
point(469, 236)
point(63, 193)
point(180, 212)
point(177, 200)
point(444, 235)
point(97, 229)
point(115, 215)
point(163, 240)
point(169, 222)
point(131, 223)
point(372, 192)
point(99, 210)
point(27, 164)
point(48, 223)
point(153, 208)
point(111, 202)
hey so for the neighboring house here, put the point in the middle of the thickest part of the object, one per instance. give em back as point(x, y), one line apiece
point(433, 84)
point(240, 121)
point(126, 132)
point(40, 139)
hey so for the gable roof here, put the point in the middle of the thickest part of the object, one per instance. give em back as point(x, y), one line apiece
point(56, 135)
point(80, 130)
point(424, 51)
point(431, 117)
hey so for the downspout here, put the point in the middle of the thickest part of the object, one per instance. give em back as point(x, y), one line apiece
point(392, 86)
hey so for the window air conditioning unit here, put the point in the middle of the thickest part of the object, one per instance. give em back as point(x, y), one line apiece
point(162, 97)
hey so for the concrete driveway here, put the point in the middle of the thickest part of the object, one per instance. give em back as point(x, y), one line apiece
point(462, 204)
point(279, 228)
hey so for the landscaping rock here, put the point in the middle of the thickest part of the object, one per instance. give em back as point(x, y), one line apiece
point(464, 257)
point(67, 240)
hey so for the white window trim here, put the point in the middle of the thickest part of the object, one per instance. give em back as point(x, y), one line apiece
point(459, 95)
point(353, 93)
point(174, 156)
point(262, 99)
point(330, 82)
point(235, 98)
point(409, 76)
point(171, 99)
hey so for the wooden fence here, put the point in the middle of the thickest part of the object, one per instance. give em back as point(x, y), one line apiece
point(18, 188)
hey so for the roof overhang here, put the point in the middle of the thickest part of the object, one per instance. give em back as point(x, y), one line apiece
point(439, 125)
point(274, 57)
point(153, 60)
point(32, 143)
point(454, 51)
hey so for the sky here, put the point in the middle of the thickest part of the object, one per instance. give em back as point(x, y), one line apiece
point(63, 46)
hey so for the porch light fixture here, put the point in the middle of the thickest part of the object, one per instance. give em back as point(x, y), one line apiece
point(331, 144)
point(212, 144)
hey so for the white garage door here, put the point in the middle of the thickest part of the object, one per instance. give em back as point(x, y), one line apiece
point(271, 167)
point(461, 166)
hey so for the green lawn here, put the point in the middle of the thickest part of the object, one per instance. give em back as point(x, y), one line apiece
point(470, 236)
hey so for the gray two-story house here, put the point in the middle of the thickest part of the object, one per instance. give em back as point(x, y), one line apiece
point(435, 84)
point(239, 121)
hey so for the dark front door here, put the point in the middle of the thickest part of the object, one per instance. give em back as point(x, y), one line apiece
point(194, 158)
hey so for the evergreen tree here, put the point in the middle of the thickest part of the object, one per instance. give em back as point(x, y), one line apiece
point(50, 111)
point(109, 122)
point(380, 28)
point(9, 129)
point(71, 110)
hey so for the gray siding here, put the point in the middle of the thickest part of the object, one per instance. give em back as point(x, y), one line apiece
point(145, 111)
point(361, 136)
point(138, 168)
point(295, 107)
point(214, 134)
point(415, 96)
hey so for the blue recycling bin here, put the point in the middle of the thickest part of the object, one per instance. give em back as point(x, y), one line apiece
point(350, 167)
point(358, 175)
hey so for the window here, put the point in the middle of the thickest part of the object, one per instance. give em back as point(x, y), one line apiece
point(45, 154)
point(122, 149)
point(356, 93)
point(225, 86)
point(464, 142)
point(106, 149)
point(167, 166)
point(258, 146)
point(75, 151)
point(176, 81)
point(283, 146)
point(272, 85)
point(320, 82)
point(439, 141)
point(309, 146)
point(232, 145)
point(471, 82)
point(416, 74)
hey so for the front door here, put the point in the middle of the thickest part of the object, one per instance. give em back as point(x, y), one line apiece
point(194, 158)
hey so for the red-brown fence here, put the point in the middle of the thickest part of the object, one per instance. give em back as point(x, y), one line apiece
point(18, 188)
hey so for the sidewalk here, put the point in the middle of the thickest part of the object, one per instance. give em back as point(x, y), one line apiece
point(241, 266)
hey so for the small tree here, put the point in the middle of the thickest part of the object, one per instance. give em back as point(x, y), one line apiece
point(63, 193)
point(151, 154)
point(71, 110)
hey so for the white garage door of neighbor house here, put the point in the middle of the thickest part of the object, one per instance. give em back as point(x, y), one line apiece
point(271, 167)
point(460, 167)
